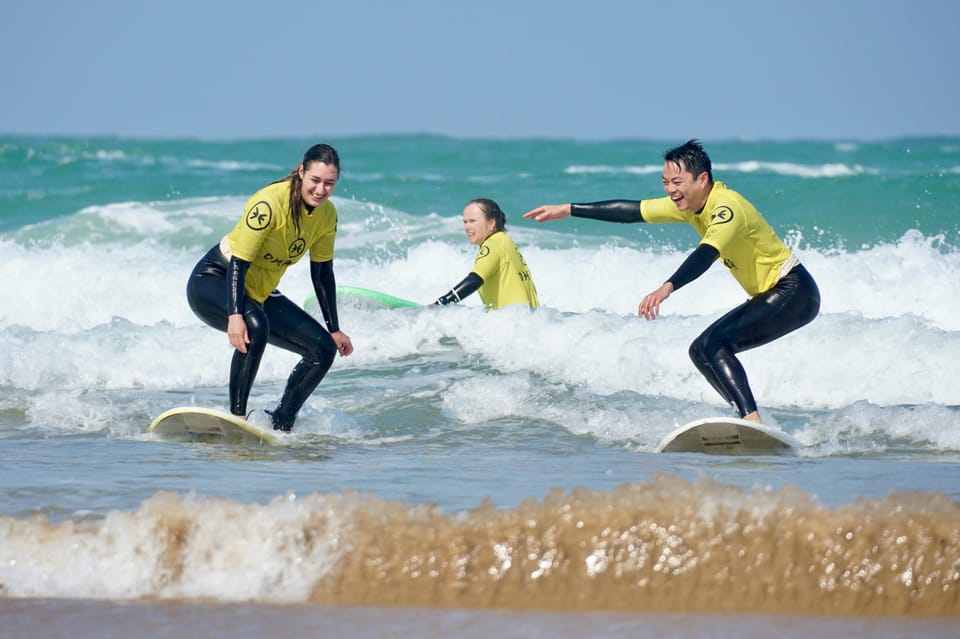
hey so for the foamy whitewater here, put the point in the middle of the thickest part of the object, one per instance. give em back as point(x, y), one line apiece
point(464, 459)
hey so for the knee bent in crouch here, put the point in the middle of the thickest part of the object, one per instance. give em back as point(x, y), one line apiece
point(703, 349)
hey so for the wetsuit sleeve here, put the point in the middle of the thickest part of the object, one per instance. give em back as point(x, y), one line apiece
point(467, 285)
point(695, 265)
point(236, 290)
point(325, 287)
point(622, 211)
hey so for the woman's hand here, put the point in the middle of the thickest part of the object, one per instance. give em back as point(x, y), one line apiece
point(237, 332)
point(342, 340)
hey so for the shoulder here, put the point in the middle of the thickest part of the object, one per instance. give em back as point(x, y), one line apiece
point(274, 197)
point(274, 191)
point(499, 241)
point(723, 195)
point(726, 205)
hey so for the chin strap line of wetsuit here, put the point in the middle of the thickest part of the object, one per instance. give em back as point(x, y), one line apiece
point(467, 285)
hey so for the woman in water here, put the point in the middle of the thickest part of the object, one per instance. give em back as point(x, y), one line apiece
point(233, 287)
point(499, 272)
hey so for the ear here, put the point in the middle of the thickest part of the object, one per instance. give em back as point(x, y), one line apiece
point(703, 179)
point(300, 170)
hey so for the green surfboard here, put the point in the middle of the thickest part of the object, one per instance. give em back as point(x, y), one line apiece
point(363, 298)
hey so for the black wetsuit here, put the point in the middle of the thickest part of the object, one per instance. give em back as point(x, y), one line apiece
point(213, 296)
point(791, 303)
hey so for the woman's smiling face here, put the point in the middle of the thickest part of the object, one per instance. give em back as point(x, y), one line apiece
point(476, 225)
point(319, 180)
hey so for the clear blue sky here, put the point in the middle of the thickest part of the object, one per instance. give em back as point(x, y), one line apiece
point(592, 69)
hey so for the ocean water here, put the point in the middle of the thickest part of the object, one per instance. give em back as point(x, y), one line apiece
point(468, 473)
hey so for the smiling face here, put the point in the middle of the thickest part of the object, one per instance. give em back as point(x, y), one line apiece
point(319, 180)
point(476, 225)
point(689, 193)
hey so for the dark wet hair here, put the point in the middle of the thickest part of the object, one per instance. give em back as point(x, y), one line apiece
point(491, 211)
point(317, 153)
point(691, 156)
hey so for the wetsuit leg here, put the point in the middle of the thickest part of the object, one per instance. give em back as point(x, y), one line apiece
point(293, 329)
point(244, 366)
point(792, 303)
point(207, 296)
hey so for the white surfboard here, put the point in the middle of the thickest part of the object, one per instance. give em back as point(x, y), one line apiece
point(191, 421)
point(728, 436)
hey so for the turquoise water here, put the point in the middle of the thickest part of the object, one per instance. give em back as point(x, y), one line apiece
point(443, 413)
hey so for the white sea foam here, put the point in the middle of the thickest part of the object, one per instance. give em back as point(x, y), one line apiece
point(794, 169)
point(109, 312)
point(176, 547)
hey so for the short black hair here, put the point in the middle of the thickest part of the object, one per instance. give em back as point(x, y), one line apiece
point(692, 157)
